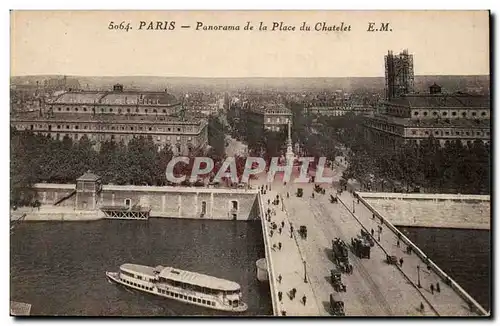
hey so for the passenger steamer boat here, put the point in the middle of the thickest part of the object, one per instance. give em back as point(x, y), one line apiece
point(189, 287)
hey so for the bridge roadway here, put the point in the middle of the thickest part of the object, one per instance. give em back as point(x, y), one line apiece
point(375, 288)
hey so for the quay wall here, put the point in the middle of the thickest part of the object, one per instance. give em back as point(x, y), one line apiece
point(171, 202)
point(433, 210)
point(47, 213)
point(50, 193)
point(445, 277)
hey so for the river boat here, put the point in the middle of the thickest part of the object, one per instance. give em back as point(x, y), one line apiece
point(189, 287)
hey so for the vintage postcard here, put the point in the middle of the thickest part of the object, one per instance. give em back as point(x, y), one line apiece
point(250, 163)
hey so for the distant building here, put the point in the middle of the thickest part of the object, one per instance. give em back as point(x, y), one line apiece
point(337, 110)
point(270, 116)
point(447, 117)
point(407, 116)
point(117, 115)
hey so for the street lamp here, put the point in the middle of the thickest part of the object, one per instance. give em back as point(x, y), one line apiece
point(305, 271)
point(418, 276)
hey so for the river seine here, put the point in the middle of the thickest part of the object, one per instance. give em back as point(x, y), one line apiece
point(59, 267)
point(462, 254)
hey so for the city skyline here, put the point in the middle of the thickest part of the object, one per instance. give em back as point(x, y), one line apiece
point(62, 46)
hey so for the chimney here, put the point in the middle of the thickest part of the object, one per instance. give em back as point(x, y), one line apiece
point(435, 89)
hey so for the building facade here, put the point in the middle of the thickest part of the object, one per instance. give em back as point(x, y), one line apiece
point(273, 117)
point(340, 109)
point(117, 115)
point(446, 117)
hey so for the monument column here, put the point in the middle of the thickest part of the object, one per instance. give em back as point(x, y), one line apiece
point(290, 156)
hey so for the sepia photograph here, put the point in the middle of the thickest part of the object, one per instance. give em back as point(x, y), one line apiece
point(250, 163)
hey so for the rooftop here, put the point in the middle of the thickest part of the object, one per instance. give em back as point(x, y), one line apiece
point(444, 100)
point(199, 279)
point(89, 176)
point(116, 98)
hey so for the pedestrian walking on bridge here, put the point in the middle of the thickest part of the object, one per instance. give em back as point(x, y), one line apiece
point(304, 299)
point(282, 224)
point(438, 287)
point(432, 288)
point(280, 295)
point(279, 278)
point(401, 262)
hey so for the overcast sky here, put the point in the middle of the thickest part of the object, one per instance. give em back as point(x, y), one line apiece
point(79, 43)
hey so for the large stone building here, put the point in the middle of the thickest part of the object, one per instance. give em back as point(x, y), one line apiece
point(340, 109)
point(269, 116)
point(445, 116)
point(117, 115)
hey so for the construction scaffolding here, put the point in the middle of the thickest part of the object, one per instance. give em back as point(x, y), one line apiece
point(399, 77)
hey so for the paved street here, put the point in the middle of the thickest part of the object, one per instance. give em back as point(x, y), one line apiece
point(235, 147)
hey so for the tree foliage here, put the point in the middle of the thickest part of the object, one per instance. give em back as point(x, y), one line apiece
point(452, 168)
point(36, 158)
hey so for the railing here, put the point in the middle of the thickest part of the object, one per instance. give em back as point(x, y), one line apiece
point(446, 279)
point(270, 267)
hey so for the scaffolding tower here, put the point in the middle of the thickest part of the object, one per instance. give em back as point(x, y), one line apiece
point(399, 78)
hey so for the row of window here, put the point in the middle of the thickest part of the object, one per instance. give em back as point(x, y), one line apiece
point(141, 286)
point(187, 297)
point(277, 120)
point(453, 113)
point(273, 128)
point(168, 138)
point(456, 133)
point(447, 142)
point(168, 293)
point(109, 110)
point(114, 137)
point(104, 127)
point(385, 127)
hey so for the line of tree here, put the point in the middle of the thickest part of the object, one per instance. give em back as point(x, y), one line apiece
point(36, 158)
point(452, 168)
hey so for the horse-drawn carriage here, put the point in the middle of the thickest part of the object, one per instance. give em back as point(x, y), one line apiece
point(392, 260)
point(361, 247)
point(337, 306)
point(368, 237)
point(336, 279)
point(303, 231)
point(341, 255)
